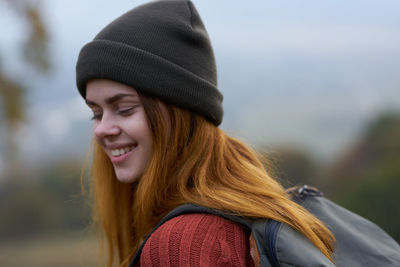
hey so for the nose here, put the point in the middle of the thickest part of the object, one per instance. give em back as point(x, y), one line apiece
point(106, 127)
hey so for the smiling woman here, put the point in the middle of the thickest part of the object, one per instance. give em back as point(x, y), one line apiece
point(150, 79)
point(120, 127)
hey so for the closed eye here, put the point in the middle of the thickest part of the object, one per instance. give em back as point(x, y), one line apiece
point(96, 116)
point(127, 111)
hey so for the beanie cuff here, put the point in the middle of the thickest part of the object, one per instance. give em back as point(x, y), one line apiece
point(148, 74)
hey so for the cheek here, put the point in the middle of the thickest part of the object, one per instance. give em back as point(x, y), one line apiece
point(138, 129)
point(146, 136)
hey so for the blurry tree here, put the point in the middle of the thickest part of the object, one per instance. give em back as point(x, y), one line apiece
point(35, 54)
point(49, 202)
point(367, 178)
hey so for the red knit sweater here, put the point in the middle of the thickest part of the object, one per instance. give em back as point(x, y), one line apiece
point(197, 240)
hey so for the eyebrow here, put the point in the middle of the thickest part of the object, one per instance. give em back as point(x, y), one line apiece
point(110, 100)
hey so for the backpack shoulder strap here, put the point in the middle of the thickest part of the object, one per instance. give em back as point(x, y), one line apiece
point(189, 209)
point(279, 245)
point(192, 208)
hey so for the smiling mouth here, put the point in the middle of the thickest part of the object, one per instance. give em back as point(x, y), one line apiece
point(121, 151)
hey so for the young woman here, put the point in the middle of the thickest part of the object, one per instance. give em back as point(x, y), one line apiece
point(150, 79)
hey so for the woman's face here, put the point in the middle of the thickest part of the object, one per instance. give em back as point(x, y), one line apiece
point(120, 127)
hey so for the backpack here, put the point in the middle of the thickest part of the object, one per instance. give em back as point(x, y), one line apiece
point(359, 242)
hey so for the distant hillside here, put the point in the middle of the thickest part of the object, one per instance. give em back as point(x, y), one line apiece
point(367, 178)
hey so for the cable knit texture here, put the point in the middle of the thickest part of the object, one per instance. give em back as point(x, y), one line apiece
point(197, 240)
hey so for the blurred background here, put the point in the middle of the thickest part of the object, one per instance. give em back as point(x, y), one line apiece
point(314, 85)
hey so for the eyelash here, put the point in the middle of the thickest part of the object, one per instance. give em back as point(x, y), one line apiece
point(126, 111)
point(96, 117)
point(123, 112)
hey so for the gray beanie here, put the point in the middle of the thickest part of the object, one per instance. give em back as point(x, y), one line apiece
point(161, 49)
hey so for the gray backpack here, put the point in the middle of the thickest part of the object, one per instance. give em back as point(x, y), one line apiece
point(359, 242)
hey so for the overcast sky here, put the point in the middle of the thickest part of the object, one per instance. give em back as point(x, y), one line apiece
point(308, 73)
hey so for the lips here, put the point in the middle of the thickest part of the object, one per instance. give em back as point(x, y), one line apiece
point(119, 153)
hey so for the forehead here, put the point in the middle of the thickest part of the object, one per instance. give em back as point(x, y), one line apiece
point(101, 88)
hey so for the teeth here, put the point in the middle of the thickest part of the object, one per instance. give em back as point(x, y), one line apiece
point(120, 151)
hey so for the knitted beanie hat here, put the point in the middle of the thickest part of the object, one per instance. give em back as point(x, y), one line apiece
point(161, 49)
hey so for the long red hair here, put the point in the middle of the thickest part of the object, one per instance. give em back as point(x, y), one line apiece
point(197, 163)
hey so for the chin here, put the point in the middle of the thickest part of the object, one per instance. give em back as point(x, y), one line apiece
point(127, 178)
